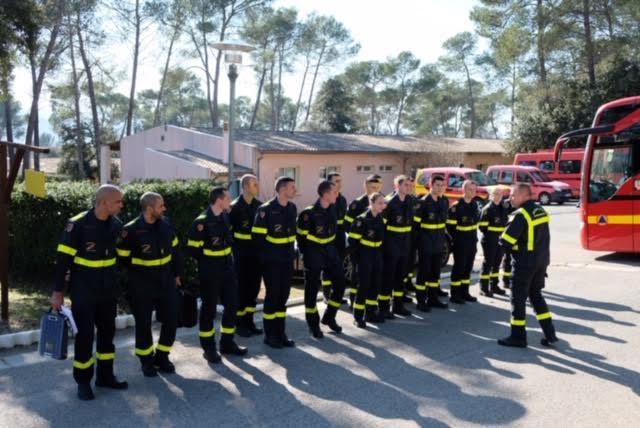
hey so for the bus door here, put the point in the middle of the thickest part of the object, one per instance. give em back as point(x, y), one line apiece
point(611, 208)
point(636, 212)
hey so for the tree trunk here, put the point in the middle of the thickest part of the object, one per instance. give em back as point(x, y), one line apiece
point(313, 81)
point(472, 103)
point(513, 95)
point(76, 104)
point(272, 97)
point(588, 42)
point(608, 15)
point(134, 73)
point(257, 104)
point(279, 100)
point(156, 112)
point(95, 120)
point(540, 22)
point(215, 116)
point(36, 136)
point(8, 121)
point(304, 79)
point(400, 110)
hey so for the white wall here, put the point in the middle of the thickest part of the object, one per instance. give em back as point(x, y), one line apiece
point(165, 167)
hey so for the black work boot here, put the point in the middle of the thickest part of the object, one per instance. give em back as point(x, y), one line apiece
point(495, 289)
point(148, 369)
point(517, 339)
point(422, 306)
point(228, 346)
point(255, 330)
point(456, 295)
point(313, 321)
point(85, 393)
point(433, 301)
point(484, 288)
point(465, 294)
point(242, 327)
point(398, 307)
point(442, 293)
point(211, 353)
point(286, 342)
point(384, 310)
point(372, 315)
point(549, 332)
point(271, 335)
point(105, 377)
point(329, 319)
point(162, 363)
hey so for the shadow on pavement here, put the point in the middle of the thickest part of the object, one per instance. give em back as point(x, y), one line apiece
point(624, 259)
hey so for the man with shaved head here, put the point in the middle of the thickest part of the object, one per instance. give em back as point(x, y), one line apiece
point(86, 259)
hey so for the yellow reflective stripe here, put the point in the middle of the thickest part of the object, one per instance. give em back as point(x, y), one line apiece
point(311, 310)
point(518, 322)
point(94, 263)
point(487, 276)
point(155, 262)
point(123, 253)
point(281, 314)
point(432, 284)
point(250, 309)
point(433, 225)
point(321, 241)
point(496, 228)
point(613, 219)
point(242, 236)
point(358, 307)
point(455, 283)
point(67, 250)
point(334, 303)
point(340, 222)
point(399, 229)
point(163, 348)
point(144, 352)
point(353, 290)
point(269, 316)
point(285, 240)
point(510, 239)
point(398, 294)
point(209, 333)
point(227, 330)
point(544, 316)
point(83, 366)
point(420, 287)
point(175, 242)
point(483, 223)
point(506, 274)
point(495, 274)
point(452, 222)
point(302, 231)
point(383, 297)
point(218, 253)
point(527, 217)
point(348, 219)
point(373, 244)
point(355, 235)
point(465, 281)
point(417, 219)
point(79, 216)
point(371, 302)
point(241, 313)
point(195, 244)
point(105, 357)
point(326, 282)
point(260, 230)
point(467, 228)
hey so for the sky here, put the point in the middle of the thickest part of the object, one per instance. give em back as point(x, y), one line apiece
point(383, 28)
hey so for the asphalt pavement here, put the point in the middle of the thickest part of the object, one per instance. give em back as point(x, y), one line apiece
point(442, 368)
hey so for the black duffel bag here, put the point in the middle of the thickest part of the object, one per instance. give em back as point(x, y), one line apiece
point(188, 307)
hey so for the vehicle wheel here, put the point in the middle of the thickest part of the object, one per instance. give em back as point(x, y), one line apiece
point(560, 202)
point(544, 198)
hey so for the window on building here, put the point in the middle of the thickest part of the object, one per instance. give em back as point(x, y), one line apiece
point(507, 177)
point(547, 166)
point(570, 166)
point(325, 171)
point(386, 168)
point(292, 172)
point(364, 169)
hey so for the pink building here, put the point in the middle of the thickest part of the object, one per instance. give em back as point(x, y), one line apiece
point(170, 152)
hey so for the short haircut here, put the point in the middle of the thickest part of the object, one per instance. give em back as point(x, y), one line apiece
point(373, 178)
point(216, 193)
point(374, 197)
point(282, 182)
point(105, 191)
point(149, 199)
point(526, 187)
point(400, 179)
point(467, 183)
point(436, 177)
point(325, 186)
point(332, 175)
point(246, 179)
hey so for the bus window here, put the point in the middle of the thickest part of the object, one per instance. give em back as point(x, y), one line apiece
point(527, 163)
point(547, 166)
point(507, 177)
point(610, 168)
point(493, 175)
point(523, 177)
point(455, 180)
point(569, 166)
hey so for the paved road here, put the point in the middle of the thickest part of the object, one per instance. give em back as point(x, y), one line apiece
point(440, 369)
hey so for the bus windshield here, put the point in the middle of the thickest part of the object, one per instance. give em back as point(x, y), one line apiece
point(612, 164)
point(540, 177)
point(480, 178)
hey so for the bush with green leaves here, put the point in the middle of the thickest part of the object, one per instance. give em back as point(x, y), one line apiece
point(36, 224)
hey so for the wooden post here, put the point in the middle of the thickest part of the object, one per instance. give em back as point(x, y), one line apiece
point(6, 187)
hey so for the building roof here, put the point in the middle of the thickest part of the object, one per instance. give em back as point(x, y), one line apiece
point(318, 142)
point(217, 166)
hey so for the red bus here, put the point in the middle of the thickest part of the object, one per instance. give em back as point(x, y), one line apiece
point(566, 170)
point(610, 191)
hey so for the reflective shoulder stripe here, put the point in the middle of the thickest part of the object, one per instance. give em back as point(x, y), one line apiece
point(530, 226)
point(79, 216)
point(510, 239)
point(67, 250)
point(131, 222)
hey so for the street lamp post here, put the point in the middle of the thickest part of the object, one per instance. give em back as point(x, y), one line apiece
point(233, 57)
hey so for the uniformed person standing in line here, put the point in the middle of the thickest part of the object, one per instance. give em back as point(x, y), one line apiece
point(413, 253)
point(317, 225)
point(398, 217)
point(274, 230)
point(506, 261)
point(245, 253)
point(431, 220)
point(209, 242)
point(149, 248)
point(365, 245)
point(341, 236)
point(462, 225)
point(528, 237)
point(493, 221)
point(86, 256)
point(372, 184)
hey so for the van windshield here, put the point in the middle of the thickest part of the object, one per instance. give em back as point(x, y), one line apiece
point(480, 178)
point(540, 176)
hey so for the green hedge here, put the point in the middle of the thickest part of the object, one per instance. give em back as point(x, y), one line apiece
point(36, 224)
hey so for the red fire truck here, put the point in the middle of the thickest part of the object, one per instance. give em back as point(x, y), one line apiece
point(610, 188)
